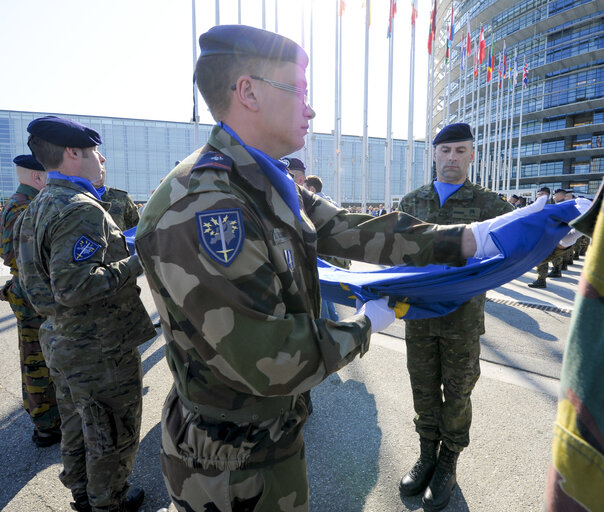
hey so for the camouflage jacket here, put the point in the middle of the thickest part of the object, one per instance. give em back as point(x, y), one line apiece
point(74, 267)
point(17, 204)
point(123, 211)
point(240, 310)
point(467, 204)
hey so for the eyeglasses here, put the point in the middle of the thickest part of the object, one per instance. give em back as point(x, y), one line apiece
point(298, 91)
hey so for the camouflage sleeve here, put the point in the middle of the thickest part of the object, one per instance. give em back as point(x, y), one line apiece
point(9, 215)
point(78, 273)
point(237, 316)
point(131, 216)
point(393, 239)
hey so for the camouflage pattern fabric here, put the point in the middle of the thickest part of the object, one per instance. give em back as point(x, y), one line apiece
point(445, 350)
point(100, 429)
point(37, 387)
point(75, 269)
point(123, 211)
point(556, 260)
point(239, 302)
point(575, 480)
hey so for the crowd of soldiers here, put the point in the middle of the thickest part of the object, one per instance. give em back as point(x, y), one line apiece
point(239, 302)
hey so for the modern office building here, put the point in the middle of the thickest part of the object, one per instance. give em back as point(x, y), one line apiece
point(561, 125)
point(140, 153)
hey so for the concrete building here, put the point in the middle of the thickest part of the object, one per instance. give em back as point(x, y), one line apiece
point(562, 42)
point(141, 152)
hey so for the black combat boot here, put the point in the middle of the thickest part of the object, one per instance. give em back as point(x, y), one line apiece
point(555, 272)
point(443, 481)
point(80, 503)
point(134, 499)
point(538, 283)
point(418, 477)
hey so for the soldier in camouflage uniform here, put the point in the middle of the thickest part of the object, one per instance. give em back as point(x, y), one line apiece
point(74, 267)
point(444, 352)
point(229, 245)
point(123, 211)
point(37, 387)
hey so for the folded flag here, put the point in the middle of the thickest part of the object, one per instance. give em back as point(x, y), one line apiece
point(435, 290)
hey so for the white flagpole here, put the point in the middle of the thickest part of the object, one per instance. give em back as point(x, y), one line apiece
point(476, 125)
point(431, 120)
point(195, 116)
point(489, 122)
point(239, 12)
point(263, 13)
point(389, 119)
point(427, 161)
point(310, 137)
point(217, 12)
point(485, 134)
point(277, 16)
point(410, 148)
point(506, 166)
point(338, 112)
point(510, 154)
point(496, 152)
point(365, 113)
point(520, 129)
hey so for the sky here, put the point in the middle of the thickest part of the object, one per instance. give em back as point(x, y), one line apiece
point(134, 58)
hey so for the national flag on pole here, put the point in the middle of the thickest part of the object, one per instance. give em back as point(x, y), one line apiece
point(450, 39)
point(391, 17)
point(413, 12)
point(367, 5)
point(469, 40)
point(525, 74)
point(490, 65)
point(462, 60)
point(432, 28)
point(476, 63)
point(515, 66)
point(499, 72)
point(482, 46)
point(505, 61)
point(342, 7)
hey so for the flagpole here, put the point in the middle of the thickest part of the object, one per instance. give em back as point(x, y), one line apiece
point(195, 107)
point(389, 117)
point(522, 87)
point(338, 112)
point(410, 148)
point(217, 11)
point(310, 138)
point(506, 170)
point(239, 12)
point(496, 152)
point(365, 113)
point(263, 13)
point(489, 122)
point(511, 148)
point(476, 104)
point(429, 122)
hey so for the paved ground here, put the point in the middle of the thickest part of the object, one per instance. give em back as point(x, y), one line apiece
point(360, 440)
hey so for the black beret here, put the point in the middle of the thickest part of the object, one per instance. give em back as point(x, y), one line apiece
point(456, 132)
point(29, 162)
point(252, 42)
point(558, 190)
point(294, 164)
point(64, 132)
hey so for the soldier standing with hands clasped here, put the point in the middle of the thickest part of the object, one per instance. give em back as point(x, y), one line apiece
point(444, 352)
point(74, 267)
point(39, 396)
point(229, 244)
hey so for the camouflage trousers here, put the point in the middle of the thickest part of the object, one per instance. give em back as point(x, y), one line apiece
point(101, 407)
point(556, 259)
point(278, 487)
point(37, 387)
point(443, 374)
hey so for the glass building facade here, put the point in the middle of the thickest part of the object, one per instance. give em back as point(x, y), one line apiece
point(561, 125)
point(140, 153)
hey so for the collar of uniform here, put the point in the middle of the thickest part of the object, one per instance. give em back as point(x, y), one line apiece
point(27, 190)
point(252, 173)
point(71, 185)
point(464, 192)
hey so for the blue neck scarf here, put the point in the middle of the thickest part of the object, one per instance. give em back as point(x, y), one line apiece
point(82, 182)
point(275, 171)
point(445, 190)
point(101, 190)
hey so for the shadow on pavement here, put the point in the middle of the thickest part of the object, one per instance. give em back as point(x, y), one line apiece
point(342, 445)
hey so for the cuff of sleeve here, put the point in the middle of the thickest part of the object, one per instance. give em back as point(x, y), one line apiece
point(447, 245)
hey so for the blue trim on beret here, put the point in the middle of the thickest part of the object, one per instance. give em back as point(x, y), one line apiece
point(252, 42)
point(64, 132)
point(29, 162)
point(456, 132)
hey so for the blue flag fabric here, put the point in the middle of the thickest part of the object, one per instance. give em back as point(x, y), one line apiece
point(436, 290)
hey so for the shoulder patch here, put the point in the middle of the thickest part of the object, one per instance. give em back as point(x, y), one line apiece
point(84, 248)
point(213, 160)
point(221, 234)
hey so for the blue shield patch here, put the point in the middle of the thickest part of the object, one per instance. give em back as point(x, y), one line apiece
point(84, 248)
point(221, 234)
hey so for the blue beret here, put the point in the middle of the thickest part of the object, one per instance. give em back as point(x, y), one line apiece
point(456, 132)
point(64, 132)
point(29, 162)
point(247, 41)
